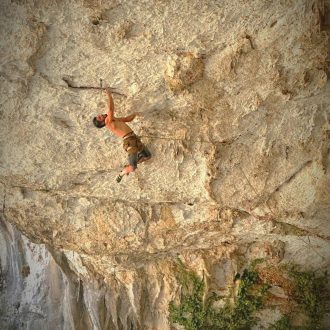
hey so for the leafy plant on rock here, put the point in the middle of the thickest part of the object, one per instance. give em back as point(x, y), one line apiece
point(195, 313)
point(310, 293)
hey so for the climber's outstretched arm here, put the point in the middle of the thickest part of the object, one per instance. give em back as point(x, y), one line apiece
point(111, 106)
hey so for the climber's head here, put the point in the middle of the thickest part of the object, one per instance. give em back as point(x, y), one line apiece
point(99, 120)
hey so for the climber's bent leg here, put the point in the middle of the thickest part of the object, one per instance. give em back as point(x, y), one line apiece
point(144, 155)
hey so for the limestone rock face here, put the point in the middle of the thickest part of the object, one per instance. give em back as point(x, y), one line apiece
point(183, 70)
point(235, 100)
point(34, 293)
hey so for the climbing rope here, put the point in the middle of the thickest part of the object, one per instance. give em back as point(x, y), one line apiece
point(182, 139)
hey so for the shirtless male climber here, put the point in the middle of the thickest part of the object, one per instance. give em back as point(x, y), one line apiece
point(137, 152)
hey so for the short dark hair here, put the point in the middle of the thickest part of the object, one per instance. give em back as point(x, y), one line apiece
point(97, 123)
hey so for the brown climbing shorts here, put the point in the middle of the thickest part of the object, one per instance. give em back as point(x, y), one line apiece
point(132, 143)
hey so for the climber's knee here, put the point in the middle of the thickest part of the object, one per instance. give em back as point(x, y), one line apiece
point(132, 161)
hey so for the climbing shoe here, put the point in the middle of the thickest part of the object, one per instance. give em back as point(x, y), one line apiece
point(118, 178)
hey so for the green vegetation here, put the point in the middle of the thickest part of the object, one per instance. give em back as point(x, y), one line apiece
point(196, 313)
point(310, 293)
point(196, 310)
point(190, 313)
point(282, 324)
